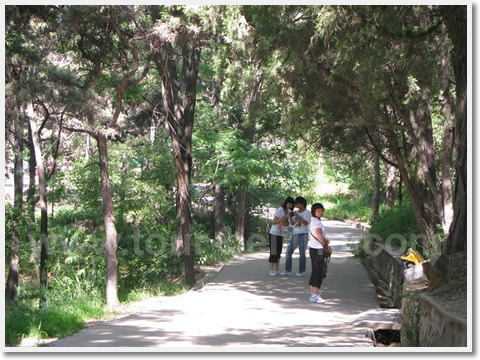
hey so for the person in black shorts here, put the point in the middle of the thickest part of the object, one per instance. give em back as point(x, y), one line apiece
point(280, 222)
point(316, 242)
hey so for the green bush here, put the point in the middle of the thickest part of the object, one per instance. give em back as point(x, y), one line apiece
point(16, 223)
point(399, 221)
point(208, 251)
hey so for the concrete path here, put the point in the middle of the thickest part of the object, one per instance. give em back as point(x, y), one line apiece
point(245, 308)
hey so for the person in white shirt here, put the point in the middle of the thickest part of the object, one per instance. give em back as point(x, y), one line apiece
point(280, 222)
point(300, 221)
point(316, 242)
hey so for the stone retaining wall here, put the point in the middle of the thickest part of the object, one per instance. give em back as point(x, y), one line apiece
point(410, 318)
point(389, 269)
point(439, 328)
point(424, 322)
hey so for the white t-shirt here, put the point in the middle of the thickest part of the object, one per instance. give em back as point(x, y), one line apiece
point(298, 227)
point(315, 224)
point(277, 229)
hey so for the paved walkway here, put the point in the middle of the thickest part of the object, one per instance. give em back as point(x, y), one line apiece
point(245, 308)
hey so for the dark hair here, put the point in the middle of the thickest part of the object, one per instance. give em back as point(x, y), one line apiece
point(315, 207)
point(301, 200)
point(288, 200)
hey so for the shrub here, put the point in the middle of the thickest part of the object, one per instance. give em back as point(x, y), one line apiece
point(209, 251)
point(397, 221)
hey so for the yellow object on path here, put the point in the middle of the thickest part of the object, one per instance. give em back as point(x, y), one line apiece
point(413, 256)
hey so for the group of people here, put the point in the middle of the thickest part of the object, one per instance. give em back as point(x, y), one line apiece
point(307, 228)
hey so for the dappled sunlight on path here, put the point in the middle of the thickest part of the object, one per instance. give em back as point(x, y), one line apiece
point(245, 307)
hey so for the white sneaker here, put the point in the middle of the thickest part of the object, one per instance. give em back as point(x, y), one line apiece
point(282, 273)
point(273, 273)
point(299, 274)
point(318, 300)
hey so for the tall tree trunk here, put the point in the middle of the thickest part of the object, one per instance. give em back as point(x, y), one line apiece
point(32, 171)
point(109, 220)
point(184, 209)
point(390, 186)
point(240, 214)
point(191, 66)
point(219, 206)
point(180, 116)
point(376, 190)
point(448, 139)
point(14, 262)
point(153, 130)
point(456, 21)
point(400, 191)
point(87, 148)
point(416, 194)
point(31, 201)
point(43, 201)
point(122, 193)
point(376, 182)
point(420, 132)
point(424, 224)
point(420, 183)
point(249, 135)
point(219, 213)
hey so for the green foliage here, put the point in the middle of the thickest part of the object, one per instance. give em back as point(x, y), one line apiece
point(397, 221)
point(347, 206)
point(209, 252)
point(147, 254)
point(15, 224)
point(326, 72)
point(227, 158)
point(83, 185)
point(143, 178)
point(256, 230)
point(63, 314)
point(356, 171)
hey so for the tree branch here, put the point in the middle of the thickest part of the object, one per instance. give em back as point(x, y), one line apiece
point(55, 156)
point(126, 83)
point(86, 131)
point(47, 116)
point(377, 150)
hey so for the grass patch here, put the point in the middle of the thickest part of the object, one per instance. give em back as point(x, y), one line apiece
point(50, 321)
point(63, 314)
point(142, 292)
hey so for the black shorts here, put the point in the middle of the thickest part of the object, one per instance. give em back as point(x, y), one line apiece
point(275, 243)
point(318, 267)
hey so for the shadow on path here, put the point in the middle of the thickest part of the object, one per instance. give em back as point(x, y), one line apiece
point(245, 307)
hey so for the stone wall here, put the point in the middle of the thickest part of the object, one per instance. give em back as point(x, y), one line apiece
point(439, 328)
point(410, 319)
point(424, 322)
point(388, 266)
